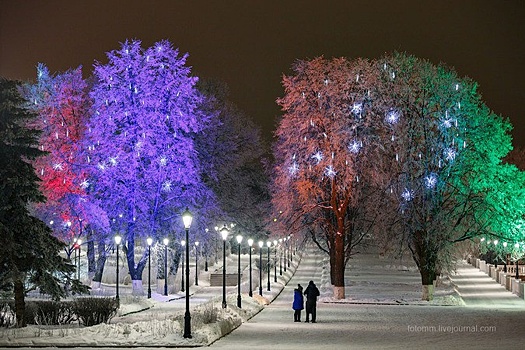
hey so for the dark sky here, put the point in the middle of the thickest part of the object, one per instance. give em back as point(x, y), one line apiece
point(250, 44)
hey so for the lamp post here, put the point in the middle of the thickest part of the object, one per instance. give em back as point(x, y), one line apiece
point(505, 258)
point(281, 257)
point(118, 239)
point(196, 263)
point(224, 234)
point(187, 218)
point(290, 250)
point(239, 240)
point(182, 243)
point(268, 244)
point(286, 252)
point(250, 243)
point(517, 245)
point(149, 240)
point(275, 261)
point(79, 242)
point(206, 248)
point(261, 245)
point(166, 241)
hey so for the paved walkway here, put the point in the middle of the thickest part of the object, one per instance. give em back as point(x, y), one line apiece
point(476, 288)
point(379, 326)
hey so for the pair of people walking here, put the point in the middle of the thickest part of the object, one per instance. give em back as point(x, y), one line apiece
point(311, 292)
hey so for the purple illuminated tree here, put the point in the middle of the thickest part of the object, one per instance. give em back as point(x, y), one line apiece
point(140, 141)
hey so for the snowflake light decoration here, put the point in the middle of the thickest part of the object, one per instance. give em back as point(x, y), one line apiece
point(318, 156)
point(449, 154)
point(329, 171)
point(166, 186)
point(163, 161)
point(58, 167)
point(355, 146)
point(113, 161)
point(357, 109)
point(430, 180)
point(293, 169)
point(84, 184)
point(392, 116)
point(407, 194)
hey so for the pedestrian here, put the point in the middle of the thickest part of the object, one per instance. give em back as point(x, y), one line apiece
point(311, 293)
point(298, 303)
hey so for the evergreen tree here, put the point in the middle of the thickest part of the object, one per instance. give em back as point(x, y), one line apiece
point(29, 254)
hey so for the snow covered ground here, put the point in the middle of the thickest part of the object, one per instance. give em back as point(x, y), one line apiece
point(382, 310)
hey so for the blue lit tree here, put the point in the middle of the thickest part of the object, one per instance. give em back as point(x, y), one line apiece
point(140, 141)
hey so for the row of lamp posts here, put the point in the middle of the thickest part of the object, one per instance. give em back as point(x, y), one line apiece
point(187, 219)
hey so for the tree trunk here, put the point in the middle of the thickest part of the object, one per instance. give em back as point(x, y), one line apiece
point(20, 304)
point(92, 266)
point(426, 261)
point(135, 270)
point(339, 260)
point(101, 262)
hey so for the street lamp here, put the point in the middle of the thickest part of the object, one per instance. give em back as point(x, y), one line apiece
point(281, 257)
point(286, 252)
point(182, 243)
point(79, 242)
point(166, 241)
point(149, 240)
point(206, 248)
point(261, 245)
point(118, 239)
point(196, 263)
point(268, 244)
point(275, 261)
point(224, 234)
point(250, 243)
point(239, 240)
point(187, 218)
point(517, 245)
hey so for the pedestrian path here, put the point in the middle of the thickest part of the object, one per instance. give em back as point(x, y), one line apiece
point(374, 325)
point(478, 289)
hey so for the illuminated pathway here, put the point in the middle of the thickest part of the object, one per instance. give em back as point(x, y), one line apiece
point(374, 326)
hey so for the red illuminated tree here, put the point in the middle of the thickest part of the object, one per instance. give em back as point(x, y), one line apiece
point(325, 157)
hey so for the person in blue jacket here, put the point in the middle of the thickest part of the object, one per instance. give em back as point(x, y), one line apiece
point(298, 303)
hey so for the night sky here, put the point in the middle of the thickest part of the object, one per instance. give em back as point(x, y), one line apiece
point(250, 44)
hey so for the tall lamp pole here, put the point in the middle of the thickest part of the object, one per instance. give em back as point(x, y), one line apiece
point(268, 244)
point(79, 243)
point(118, 239)
point(250, 243)
point(224, 234)
point(166, 241)
point(196, 263)
point(239, 240)
point(149, 240)
point(286, 252)
point(187, 218)
point(280, 257)
point(275, 261)
point(517, 245)
point(261, 245)
point(182, 288)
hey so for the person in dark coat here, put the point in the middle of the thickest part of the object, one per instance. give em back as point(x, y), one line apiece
point(311, 293)
point(298, 303)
